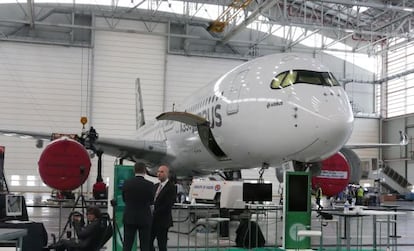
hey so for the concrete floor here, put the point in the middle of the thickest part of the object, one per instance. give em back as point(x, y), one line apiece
point(181, 236)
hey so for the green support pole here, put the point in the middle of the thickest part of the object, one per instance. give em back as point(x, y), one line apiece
point(297, 209)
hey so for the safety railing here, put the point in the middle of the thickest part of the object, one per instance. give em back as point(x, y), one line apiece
point(207, 226)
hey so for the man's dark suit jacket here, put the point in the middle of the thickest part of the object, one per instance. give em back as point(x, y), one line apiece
point(138, 194)
point(163, 205)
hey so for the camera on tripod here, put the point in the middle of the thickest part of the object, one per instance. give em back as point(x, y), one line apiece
point(113, 202)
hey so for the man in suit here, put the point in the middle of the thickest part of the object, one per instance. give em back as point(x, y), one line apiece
point(138, 194)
point(163, 202)
point(89, 236)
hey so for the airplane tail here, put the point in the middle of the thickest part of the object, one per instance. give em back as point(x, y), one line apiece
point(140, 119)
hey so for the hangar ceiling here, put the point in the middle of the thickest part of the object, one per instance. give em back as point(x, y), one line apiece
point(250, 27)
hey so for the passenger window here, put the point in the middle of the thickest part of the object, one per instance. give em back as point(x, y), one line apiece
point(278, 80)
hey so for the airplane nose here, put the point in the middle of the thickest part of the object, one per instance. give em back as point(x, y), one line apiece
point(338, 119)
point(331, 130)
point(337, 132)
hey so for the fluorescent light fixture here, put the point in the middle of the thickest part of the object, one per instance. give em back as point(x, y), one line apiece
point(9, 134)
point(26, 137)
point(366, 185)
point(361, 8)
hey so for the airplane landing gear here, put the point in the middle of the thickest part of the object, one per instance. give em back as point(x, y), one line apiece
point(265, 166)
point(313, 167)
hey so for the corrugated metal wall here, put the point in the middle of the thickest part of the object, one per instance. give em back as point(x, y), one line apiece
point(42, 90)
point(366, 130)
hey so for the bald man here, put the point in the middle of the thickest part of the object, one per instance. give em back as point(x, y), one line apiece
point(163, 202)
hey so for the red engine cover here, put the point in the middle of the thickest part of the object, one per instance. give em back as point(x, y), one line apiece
point(334, 176)
point(64, 164)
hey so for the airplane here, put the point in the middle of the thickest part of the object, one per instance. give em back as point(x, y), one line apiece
point(265, 112)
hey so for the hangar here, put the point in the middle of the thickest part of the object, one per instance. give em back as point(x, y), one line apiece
point(63, 60)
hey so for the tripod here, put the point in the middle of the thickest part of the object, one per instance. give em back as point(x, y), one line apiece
point(115, 224)
point(80, 199)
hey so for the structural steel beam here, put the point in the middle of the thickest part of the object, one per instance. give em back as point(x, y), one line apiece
point(266, 5)
point(30, 13)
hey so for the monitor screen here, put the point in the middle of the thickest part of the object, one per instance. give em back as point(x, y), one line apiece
point(257, 192)
point(298, 190)
point(14, 205)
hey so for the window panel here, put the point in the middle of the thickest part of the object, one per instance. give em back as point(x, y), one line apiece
point(410, 109)
point(15, 180)
point(395, 106)
point(395, 95)
point(395, 114)
point(396, 111)
point(31, 181)
point(400, 91)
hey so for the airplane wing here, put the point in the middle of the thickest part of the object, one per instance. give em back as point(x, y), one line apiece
point(152, 151)
point(403, 142)
point(131, 149)
point(26, 134)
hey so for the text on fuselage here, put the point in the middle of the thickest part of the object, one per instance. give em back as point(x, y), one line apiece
point(211, 114)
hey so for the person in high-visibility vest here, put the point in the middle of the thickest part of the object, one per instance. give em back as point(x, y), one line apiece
point(360, 196)
point(318, 196)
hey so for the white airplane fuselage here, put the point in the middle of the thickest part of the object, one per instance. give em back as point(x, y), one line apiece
point(253, 123)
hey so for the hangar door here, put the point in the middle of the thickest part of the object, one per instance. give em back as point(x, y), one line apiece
point(183, 78)
point(47, 88)
point(40, 90)
point(119, 59)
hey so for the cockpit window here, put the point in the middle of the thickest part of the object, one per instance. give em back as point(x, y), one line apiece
point(288, 78)
point(329, 78)
point(276, 82)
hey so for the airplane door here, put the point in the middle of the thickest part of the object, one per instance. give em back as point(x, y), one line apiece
point(234, 92)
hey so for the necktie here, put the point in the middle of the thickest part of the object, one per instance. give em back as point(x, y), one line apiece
point(158, 191)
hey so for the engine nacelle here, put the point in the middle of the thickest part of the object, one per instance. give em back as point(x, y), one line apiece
point(354, 163)
point(64, 164)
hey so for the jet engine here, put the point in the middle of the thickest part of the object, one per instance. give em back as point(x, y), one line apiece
point(354, 165)
point(333, 174)
point(64, 164)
